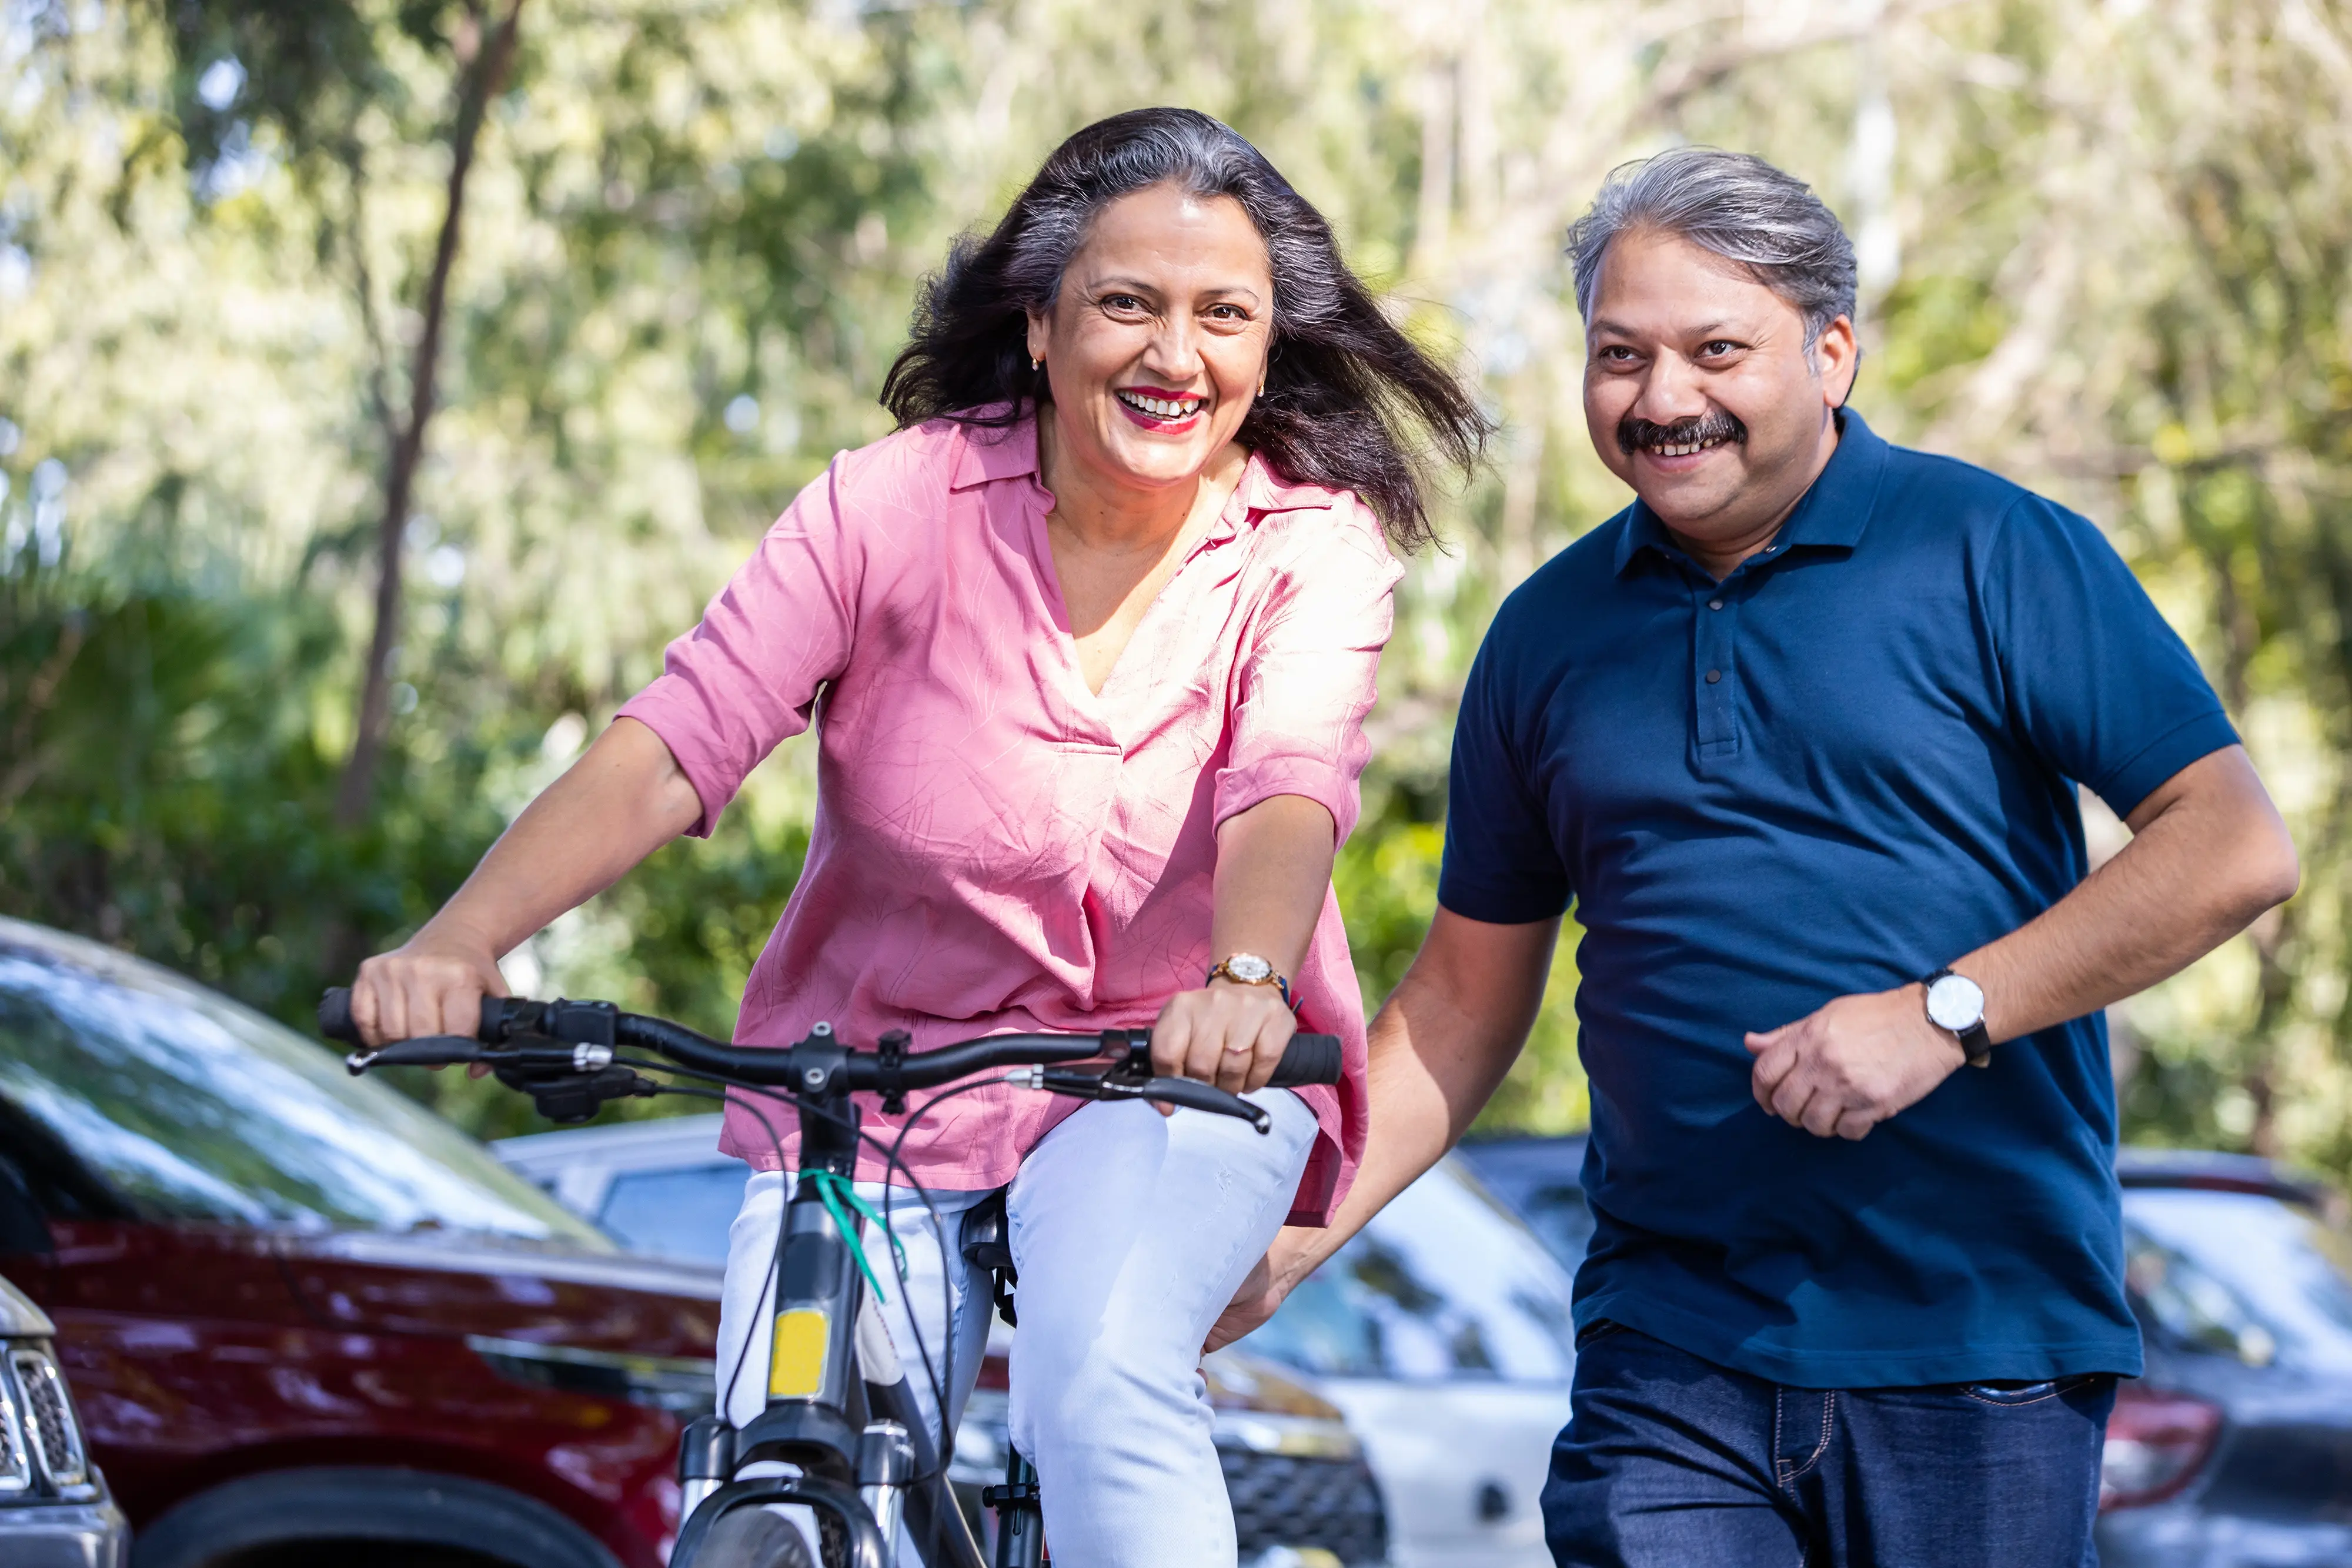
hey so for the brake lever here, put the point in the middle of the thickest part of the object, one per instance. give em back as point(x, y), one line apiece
point(1190, 1094)
point(452, 1049)
point(423, 1051)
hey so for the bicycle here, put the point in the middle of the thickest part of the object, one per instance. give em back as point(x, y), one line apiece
point(840, 1409)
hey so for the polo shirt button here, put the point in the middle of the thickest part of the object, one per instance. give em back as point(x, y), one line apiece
point(1713, 676)
point(1715, 604)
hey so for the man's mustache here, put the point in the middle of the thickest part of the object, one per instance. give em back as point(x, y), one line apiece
point(1640, 435)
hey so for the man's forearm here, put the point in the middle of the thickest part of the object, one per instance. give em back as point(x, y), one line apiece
point(2208, 854)
point(1439, 1048)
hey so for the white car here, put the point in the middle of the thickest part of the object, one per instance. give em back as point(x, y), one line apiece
point(1442, 1332)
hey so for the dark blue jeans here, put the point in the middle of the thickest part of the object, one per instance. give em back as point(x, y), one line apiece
point(1670, 1461)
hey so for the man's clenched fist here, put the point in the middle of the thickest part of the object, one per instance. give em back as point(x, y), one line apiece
point(1851, 1064)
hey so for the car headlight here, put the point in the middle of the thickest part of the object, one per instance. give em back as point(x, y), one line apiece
point(682, 1386)
point(41, 1451)
point(1292, 1436)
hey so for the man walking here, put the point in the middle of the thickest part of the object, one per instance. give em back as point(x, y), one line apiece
point(1799, 735)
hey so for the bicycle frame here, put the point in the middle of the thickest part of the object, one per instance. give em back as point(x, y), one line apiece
point(857, 1445)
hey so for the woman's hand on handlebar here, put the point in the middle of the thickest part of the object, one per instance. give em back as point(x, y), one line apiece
point(1226, 1034)
point(433, 984)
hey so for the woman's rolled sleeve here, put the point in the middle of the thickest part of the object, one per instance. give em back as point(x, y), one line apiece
point(744, 679)
point(1308, 678)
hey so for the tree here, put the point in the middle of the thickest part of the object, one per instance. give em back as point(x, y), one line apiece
point(314, 70)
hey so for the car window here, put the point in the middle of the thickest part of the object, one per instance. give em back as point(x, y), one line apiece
point(2241, 1274)
point(193, 1108)
point(1442, 1284)
point(681, 1212)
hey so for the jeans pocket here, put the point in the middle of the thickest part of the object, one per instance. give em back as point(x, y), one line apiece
point(2008, 1394)
point(1598, 1328)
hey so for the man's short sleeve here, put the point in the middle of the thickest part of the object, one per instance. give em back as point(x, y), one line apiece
point(2097, 681)
point(1502, 862)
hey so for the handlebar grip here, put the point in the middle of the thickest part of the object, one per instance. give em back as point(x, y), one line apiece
point(335, 1020)
point(499, 1015)
point(1308, 1058)
point(335, 1016)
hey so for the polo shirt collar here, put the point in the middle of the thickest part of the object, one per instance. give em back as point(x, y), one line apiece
point(1832, 515)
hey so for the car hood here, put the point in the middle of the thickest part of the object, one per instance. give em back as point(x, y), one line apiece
point(456, 1285)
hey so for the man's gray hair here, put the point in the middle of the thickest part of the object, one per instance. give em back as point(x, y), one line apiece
point(1737, 206)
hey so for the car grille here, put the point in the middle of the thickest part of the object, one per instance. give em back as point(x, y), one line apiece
point(1306, 1504)
point(43, 1421)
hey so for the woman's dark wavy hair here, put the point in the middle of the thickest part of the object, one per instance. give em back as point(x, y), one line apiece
point(1344, 388)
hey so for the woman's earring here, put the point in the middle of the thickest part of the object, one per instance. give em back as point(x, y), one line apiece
point(1033, 363)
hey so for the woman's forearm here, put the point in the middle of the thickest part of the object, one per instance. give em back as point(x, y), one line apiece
point(1274, 870)
point(624, 799)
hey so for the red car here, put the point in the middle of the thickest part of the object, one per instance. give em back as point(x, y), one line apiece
point(305, 1321)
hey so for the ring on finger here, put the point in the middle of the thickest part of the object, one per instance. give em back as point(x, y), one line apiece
point(1242, 1049)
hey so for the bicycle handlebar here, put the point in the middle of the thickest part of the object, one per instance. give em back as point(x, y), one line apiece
point(562, 1031)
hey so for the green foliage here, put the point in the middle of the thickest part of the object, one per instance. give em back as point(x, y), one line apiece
point(164, 789)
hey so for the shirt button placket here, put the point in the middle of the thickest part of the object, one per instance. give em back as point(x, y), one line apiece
point(1716, 733)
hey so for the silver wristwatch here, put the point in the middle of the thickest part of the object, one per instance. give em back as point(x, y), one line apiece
point(1956, 1003)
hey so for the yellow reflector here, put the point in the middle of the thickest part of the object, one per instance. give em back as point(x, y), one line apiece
point(797, 1360)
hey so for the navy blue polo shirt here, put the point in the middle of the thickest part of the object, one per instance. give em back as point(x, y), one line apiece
point(1845, 765)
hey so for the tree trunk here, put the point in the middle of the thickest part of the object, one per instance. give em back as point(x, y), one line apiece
point(483, 64)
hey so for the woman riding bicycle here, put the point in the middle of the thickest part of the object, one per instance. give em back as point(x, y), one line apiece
point(1088, 643)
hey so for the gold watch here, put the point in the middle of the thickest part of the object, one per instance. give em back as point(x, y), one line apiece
point(1249, 969)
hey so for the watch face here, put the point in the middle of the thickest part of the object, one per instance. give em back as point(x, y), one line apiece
point(1249, 968)
point(1956, 1003)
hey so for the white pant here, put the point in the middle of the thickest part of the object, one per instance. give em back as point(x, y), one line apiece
point(1131, 1232)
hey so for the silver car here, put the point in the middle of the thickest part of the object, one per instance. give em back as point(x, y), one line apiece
point(1441, 1333)
point(54, 1510)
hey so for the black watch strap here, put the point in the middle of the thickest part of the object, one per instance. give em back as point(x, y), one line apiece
point(1976, 1041)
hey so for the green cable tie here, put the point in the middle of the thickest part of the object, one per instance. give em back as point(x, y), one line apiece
point(831, 1191)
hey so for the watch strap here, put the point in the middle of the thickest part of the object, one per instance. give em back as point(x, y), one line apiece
point(1976, 1041)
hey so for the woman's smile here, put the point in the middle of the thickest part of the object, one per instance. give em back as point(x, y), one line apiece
point(1156, 408)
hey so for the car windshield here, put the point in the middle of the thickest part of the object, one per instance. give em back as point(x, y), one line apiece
point(1444, 1283)
point(2242, 1274)
point(192, 1108)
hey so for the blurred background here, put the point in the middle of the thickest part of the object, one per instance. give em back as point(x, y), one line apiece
point(384, 382)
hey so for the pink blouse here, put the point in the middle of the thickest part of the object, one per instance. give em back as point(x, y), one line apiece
point(997, 848)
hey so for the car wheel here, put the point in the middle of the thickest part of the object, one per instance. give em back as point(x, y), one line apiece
point(754, 1538)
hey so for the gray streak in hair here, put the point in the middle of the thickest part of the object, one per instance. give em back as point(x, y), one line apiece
point(1737, 206)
